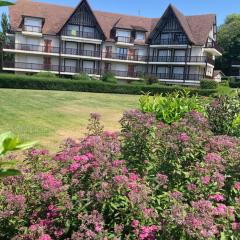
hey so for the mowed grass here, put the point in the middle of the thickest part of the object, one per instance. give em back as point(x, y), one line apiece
point(52, 116)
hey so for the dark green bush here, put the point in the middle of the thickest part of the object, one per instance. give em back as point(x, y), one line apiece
point(109, 77)
point(45, 75)
point(61, 84)
point(81, 77)
point(208, 84)
point(224, 83)
point(234, 83)
point(150, 79)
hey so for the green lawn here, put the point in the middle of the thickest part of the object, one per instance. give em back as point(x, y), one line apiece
point(52, 116)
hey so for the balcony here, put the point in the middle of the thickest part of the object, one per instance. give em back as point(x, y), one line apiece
point(180, 77)
point(181, 59)
point(80, 52)
point(31, 48)
point(169, 41)
point(236, 64)
point(31, 67)
point(213, 48)
point(74, 70)
point(125, 57)
point(34, 67)
point(124, 41)
point(34, 31)
point(125, 74)
point(81, 36)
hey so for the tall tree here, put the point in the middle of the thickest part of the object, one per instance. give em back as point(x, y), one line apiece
point(5, 27)
point(229, 40)
point(5, 3)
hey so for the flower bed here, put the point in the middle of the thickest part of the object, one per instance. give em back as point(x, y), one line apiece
point(151, 181)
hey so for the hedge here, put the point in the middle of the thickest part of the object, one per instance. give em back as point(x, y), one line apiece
point(234, 84)
point(208, 84)
point(30, 82)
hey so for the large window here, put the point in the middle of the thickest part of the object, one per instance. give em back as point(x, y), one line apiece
point(122, 53)
point(123, 36)
point(32, 24)
point(140, 36)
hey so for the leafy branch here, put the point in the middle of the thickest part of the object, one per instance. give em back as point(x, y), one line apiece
point(9, 143)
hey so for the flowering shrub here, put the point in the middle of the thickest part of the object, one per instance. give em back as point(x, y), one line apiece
point(172, 107)
point(224, 115)
point(151, 181)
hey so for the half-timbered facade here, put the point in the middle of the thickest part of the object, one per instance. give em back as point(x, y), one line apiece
point(174, 48)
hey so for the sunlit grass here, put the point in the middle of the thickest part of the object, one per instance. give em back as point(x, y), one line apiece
point(52, 116)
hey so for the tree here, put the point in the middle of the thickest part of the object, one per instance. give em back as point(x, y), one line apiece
point(5, 26)
point(229, 40)
point(5, 3)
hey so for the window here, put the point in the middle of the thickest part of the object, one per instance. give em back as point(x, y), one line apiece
point(33, 24)
point(122, 53)
point(88, 29)
point(140, 36)
point(123, 36)
point(73, 30)
point(123, 33)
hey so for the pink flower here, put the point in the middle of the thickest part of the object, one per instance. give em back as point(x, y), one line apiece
point(33, 227)
point(148, 232)
point(213, 158)
point(133, 177)
point(205, 180)
point(74, 167)
point(98, 228)
point(162, 179)
point(45, 237)
point(81, 158)
point(135, 223)
point(236, 226)
point(217, 197)
point(191, 187)
point(220, 210)
point(49, 182)
point(183, 137)
point(237, 186)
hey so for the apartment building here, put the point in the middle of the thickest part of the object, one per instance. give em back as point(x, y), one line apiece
point(173, 48)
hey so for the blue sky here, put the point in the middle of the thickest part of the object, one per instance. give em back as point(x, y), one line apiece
point(154, 8)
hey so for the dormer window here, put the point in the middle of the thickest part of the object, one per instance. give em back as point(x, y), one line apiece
point(140, 36)
point(123, 35)
point(32, 24)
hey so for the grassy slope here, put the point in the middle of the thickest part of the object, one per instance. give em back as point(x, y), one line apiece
point(51, 116)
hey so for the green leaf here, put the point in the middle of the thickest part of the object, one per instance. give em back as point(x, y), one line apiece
point(9, 172)
point(26, 145)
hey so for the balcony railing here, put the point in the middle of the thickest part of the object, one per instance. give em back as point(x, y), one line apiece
point(119, 73)
point(171, 41)
point(35, 29)
point(213, 44)
point(193, 59)
point(74, 51)
point(30, 47)
point(31, 66)
point(124, 39)
point(128, 57)
point(177, 76)
point(236, 62)
point(81, 34)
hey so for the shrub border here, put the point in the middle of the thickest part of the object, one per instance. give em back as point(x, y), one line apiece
point(15, 81)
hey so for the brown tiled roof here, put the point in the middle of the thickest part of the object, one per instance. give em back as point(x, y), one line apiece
point(197, 28)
